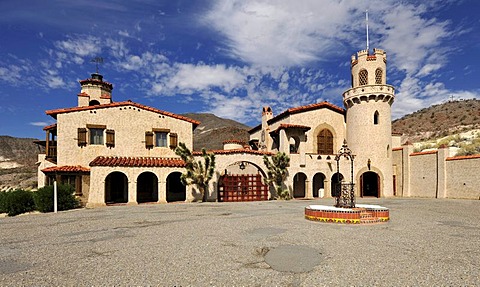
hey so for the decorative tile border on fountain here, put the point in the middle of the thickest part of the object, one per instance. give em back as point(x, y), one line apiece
point(361, 214)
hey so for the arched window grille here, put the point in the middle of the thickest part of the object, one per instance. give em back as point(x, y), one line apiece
point(363, 77)
point(378, 76)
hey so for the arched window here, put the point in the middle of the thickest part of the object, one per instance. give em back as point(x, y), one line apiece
point(94, 103)
point(325, 142)
point(363, 77)
point(378, 76)
point(375, 118)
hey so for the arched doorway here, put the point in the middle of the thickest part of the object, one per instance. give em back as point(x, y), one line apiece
point(176, 191)
point(116, 188)
point(242, 181)
point(336, 179)
point(299, 185)
point(319, 185)
point(370, 184)
point(147, 187)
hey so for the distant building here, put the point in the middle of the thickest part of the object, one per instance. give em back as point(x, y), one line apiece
point(123, 152)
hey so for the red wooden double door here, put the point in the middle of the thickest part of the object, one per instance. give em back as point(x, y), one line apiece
point(244, 187)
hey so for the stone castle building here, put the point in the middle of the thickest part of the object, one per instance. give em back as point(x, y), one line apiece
point(124, 152)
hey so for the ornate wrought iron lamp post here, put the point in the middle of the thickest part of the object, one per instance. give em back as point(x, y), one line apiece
point(345, 192)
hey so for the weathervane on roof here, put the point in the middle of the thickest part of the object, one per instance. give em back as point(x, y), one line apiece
point(97, 60)
point(366, 21)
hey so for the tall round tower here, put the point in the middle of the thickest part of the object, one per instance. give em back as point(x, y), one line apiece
point(369, 126)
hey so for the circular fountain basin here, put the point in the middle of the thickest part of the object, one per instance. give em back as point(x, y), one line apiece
point(360, 214)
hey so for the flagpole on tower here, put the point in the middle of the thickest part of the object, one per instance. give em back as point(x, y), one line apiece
point(366, 20)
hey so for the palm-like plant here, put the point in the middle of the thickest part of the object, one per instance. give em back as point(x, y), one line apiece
point(277, 172)
point(197, 173)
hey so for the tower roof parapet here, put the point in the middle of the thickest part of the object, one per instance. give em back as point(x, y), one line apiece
point(96, 79)
point(364, 55)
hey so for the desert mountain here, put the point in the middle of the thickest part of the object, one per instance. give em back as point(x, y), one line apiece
point(438, 121)
point(213, 131)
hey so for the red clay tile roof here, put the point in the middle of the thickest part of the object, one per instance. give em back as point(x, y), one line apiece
point(234, 142)
point(424, 152)
point(290, 126)
point(300, 109)
point(83, 95)
point(235, 151)
point(67, 168)
point(137, 161)
point(306, 108)
point(464, 157)
point(54, 113)
point(397, 148)
point(50, 127)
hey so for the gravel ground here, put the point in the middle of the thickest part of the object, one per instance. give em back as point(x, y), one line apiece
point(428, 242)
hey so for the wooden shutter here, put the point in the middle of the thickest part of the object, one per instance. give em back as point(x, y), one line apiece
point(173, 140)
point(325, 142)
point(110, 138)
point(82, 137)
point(149, 140)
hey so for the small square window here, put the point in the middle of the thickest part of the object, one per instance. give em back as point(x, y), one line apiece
point(96, 136)
point(161, 139)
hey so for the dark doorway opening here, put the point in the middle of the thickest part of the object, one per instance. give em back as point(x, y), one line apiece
point(176, 191)
point(147, 187)
point(319, 185)
point(116, 188)
point(335, 186)
point(369, 184)
point(299, 185)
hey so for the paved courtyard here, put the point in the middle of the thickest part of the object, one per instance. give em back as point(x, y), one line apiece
point(428, 242)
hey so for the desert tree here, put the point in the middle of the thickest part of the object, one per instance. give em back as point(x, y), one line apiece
point(277, 172)
point(198, 172)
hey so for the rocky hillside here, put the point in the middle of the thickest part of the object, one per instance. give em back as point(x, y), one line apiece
point(17, 163)
point(213, 131)
point(439, 121)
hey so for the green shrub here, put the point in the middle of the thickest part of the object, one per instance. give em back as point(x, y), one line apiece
point(65, 194)
point(3, 200)
point(16, 202)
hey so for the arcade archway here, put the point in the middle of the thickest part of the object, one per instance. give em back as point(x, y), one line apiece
point(176, 191)
point(147, 187)
point(336, 180)
point(319, 185)
point(116, 188)
point(299, 185)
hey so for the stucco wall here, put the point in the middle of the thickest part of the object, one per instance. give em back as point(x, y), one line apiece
point(463, 177)
point(129, 123)
point(423, 174)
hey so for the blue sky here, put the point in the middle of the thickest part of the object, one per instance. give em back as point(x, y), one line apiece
point(229, 58)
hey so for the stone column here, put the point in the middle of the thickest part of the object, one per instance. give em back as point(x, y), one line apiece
point(132, 193)
point(308, 190)
point(442, 155)
point(162, 191)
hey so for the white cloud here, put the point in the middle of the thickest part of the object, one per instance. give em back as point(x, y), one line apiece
point(39, 124)
point(194, 78)
point(81, 46)
point(280, 33)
